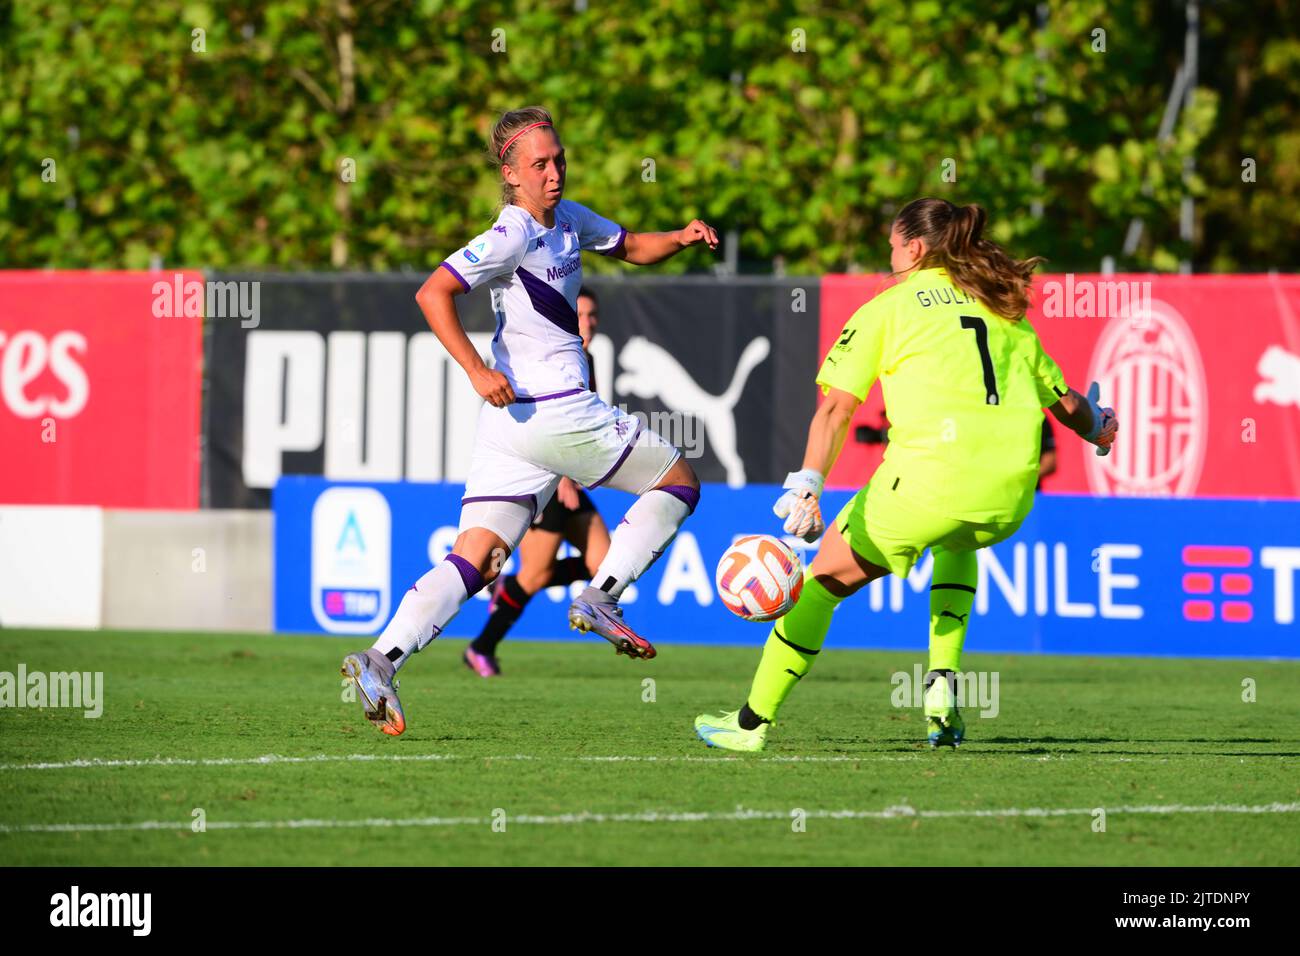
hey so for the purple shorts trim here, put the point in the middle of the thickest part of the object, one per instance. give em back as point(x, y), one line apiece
point(469, 575)
point(622, 237)
point(621, 458)
point(530, 500)
point(452, 269)
point(542, 398)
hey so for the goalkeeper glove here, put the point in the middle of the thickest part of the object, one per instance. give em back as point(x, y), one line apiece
point(1104, 422)
point(799, 505)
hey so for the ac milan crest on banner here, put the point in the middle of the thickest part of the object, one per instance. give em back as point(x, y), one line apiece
point(1203, 371)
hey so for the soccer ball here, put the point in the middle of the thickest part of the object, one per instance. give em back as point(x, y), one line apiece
point(759, 578)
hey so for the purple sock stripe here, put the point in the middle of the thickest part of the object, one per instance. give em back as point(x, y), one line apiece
point(685, 494)
point(550, 395)
point(621, 458)
point(452, 269)
point(469, 575)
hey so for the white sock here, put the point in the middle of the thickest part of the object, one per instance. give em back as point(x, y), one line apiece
point(427, 608)
point(642, 536)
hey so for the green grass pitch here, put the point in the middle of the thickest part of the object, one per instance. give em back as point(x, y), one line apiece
point(188, 716)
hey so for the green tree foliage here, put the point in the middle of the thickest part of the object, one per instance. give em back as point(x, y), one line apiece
point(292, 134)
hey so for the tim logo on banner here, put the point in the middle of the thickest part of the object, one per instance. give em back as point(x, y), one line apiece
point(351, 551)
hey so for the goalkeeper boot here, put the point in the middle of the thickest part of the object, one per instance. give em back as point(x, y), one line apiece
point(373, 674)
point(943, 721)
point(606, 619)
point(724, 730)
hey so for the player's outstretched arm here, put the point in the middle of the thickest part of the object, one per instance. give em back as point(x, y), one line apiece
point(439, 308)
point(1084, 415)
point(828, 430)
point(647, 248)
point(800, 505)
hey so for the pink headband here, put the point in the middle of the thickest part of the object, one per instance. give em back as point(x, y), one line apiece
point(516, 136)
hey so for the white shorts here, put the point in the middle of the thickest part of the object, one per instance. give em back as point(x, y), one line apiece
point(521, 451)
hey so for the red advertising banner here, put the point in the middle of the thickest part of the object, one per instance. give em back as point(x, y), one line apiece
point(1203, 371)
point(99, 396)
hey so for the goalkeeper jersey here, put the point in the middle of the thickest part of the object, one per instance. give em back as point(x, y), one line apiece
point(964, 390)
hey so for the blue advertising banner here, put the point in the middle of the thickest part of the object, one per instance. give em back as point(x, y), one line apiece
point(1174, 577)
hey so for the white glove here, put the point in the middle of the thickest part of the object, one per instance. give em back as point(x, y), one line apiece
point(799, 505)
point(1104, 422)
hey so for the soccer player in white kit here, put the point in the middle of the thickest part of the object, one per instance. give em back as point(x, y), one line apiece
point(540, 421)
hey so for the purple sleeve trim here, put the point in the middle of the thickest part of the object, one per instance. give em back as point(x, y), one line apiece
point(622, 236)
point(452, 269)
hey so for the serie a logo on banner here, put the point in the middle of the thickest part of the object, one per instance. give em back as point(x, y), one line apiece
point(351, 547)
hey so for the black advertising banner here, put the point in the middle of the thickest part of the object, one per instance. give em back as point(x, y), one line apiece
point(340, 376)
point(723, 368)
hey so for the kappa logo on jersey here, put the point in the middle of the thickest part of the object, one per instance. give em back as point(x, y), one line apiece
point(650, 371)
point(500, 229)
point(1149, 369)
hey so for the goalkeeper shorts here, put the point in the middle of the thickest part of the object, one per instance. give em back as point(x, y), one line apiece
point(891, 531)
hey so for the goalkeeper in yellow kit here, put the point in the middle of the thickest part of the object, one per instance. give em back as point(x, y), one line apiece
point(965, 381)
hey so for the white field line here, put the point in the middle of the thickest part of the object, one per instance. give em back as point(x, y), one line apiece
point(653, 816)
point(731, 761)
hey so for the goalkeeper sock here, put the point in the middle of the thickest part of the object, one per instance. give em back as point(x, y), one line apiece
point(428, 607)
point(508, 605)
point(788, 655)
point(951, 596)
point(640, 538)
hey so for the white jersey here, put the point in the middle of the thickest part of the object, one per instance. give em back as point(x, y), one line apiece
point(535, 274)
